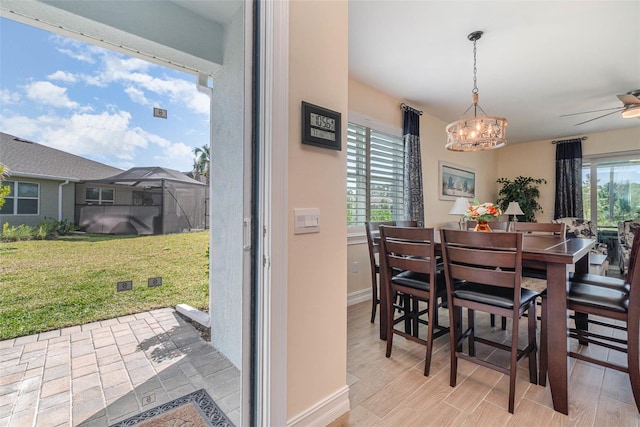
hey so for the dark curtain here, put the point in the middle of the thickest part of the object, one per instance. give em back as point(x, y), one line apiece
point(413, 196)
point(568, 179)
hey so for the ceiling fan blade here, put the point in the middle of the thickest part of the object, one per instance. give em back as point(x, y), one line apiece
point(593, 111)
point(628, 99)
point(596, 118)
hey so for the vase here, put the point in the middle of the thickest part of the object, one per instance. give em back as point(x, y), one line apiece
point(482, 226)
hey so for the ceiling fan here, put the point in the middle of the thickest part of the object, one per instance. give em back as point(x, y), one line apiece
point(629, 109)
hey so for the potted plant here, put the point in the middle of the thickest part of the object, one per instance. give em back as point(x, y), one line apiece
point(524, 190)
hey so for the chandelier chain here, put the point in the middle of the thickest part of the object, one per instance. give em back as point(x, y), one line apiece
point(475, 70)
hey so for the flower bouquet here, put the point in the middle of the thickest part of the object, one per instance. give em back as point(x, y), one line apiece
point(482, 213)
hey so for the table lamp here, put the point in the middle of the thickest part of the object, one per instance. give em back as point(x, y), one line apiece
point(513, 209)
point(460, 207)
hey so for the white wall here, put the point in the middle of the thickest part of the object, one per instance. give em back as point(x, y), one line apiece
point(226, 267)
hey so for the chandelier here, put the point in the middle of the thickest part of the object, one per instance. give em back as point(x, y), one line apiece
point(476, 133)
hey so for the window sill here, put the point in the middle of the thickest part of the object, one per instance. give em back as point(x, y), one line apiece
point(356, 238)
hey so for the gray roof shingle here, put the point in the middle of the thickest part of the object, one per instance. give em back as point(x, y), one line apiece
point(26, 158)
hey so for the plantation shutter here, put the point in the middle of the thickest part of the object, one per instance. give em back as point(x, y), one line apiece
point(387, 177)
point(374, 176)
point(357, 189)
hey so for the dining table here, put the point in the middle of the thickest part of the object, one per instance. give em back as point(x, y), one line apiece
point(555, 254)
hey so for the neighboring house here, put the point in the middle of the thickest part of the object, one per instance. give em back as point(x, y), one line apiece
point(49, 183)
point(43, 181)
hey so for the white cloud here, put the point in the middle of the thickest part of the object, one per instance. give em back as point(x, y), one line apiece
point(20, 126)
point(136, 95)
point(107, 137)
point(62, 76)
point(134, 74)
point(8, 97)
point(103, 135)
point(177, 156)
point(49, 94)
point(77, 50)
point(79, 56)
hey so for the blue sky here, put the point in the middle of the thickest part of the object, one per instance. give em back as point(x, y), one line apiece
point(97, 103)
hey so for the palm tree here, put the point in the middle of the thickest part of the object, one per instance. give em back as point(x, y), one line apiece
point(201, 163)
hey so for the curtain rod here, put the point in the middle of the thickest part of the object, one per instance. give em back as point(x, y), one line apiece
point(406, 107)
point(563, 140)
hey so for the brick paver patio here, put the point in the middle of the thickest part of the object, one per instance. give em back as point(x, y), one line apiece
point(103, 372)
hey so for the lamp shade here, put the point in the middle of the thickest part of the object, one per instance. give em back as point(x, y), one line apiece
point(514, 209)
point(460, 207)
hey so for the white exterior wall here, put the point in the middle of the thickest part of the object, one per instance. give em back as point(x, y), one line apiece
point(226, 267)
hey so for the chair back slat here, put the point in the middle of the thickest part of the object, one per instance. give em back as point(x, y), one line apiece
point(500, 278)
point(556, 229)
point(408, 248)
point(477, 256)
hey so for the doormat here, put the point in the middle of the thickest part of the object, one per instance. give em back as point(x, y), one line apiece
point(195, 409)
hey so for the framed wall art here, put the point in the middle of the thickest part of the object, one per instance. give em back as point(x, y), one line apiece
point(456, 181)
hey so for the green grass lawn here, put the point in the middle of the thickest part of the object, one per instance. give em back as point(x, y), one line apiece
point(51, 284)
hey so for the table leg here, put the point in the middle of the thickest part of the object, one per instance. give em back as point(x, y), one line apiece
point(557, 341)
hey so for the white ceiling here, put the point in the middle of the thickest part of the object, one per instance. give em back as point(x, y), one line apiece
point(537, 60)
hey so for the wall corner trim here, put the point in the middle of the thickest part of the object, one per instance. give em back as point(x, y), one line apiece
point(324, 412)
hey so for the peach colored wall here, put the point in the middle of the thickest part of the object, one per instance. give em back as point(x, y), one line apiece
point(317, 274)
point(537, 159)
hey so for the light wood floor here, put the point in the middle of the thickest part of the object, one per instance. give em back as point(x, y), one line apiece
point(394, 391)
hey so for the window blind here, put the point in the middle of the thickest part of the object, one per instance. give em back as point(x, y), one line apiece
point(375, 175)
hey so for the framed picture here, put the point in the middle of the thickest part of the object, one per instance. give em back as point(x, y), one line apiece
point(456, 181)
point(321, 127)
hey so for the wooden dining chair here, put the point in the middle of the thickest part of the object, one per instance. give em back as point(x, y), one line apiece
point(489, 264)
point(412, 251)
point(551, 228)
point(617, 306)
point(495, 226)
point(530, 268)
point(373, 242)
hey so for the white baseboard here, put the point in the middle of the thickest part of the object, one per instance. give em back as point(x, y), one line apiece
point(359, 296)
point(323, 413)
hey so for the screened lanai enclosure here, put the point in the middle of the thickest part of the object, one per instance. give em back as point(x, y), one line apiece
point(142, 200)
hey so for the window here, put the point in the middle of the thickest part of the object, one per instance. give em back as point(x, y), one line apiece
point(22, 199)
point(146, 198)
point(375, 176)
point(612, 186)
point(99, 196)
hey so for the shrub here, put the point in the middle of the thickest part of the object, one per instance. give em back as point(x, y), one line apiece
point(47, 229)
point(20, 232)
point(64, 227)
point(42, 231)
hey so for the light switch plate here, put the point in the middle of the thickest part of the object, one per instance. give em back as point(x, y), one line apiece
point(306, 220)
